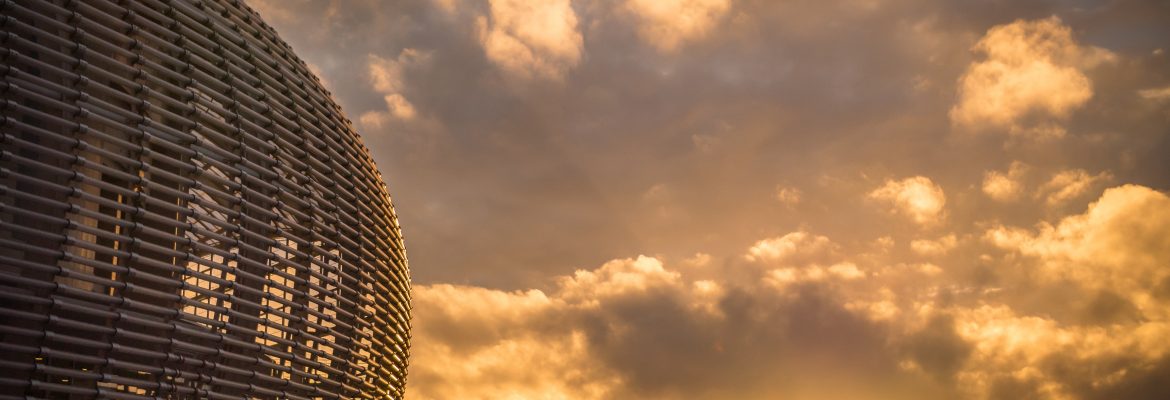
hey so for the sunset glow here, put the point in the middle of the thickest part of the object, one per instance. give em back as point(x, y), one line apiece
point(749, 199)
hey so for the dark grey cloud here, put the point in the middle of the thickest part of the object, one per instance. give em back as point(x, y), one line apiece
point(938, 348)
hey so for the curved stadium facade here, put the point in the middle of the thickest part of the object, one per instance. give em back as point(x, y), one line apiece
point(186, 213)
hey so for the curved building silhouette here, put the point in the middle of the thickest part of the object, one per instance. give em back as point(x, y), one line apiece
point(186, 213)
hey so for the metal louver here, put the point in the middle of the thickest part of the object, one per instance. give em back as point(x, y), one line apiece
point(186, 213)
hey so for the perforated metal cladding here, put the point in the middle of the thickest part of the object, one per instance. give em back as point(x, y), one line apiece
point(186, 213)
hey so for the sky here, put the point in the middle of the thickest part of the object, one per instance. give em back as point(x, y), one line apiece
point(757, 199)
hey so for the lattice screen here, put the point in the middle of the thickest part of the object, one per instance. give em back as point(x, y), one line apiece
point(186, 213)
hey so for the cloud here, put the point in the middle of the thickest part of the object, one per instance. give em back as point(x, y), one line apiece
point(531, 39)
point(915, 197)
point(937, 348)
point(1069, 184)
point(635, 328)
point(447, 6)
point(1031, 79)
point(1005, 186)
point(1114, 256)
point(937, 247)
point(788, 196)
point(1121, 243)
point(1155, 94)
point(476, 343)
point(669, 24)
point(705, 143)
point(815, 311)
point(617, 278)
point(788, 247)
point(783, 277)
point(1026, 356)
point(800, 95)
point(271, 11)
point(386, 75)
point(543, 193)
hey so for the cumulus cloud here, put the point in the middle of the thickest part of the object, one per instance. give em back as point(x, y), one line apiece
point(807, 306)
point(476, 343)
point(531, 39)
point(1024, 356)
point(636, 328)
point(1069, 184)
point(916, 197)
point(616, 278)
point(1114, 255)
point(788, 247)
point(1121, 243)
point(781, 278)
point(1032, 78)
point(1005, 186)
point(816, 312)
point(668, 24)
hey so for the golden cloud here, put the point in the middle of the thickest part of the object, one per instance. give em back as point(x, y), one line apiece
point(1005, 186)
point(386, 77)
point(589, 336)
point(616, 278)
point(1121, 243)
point(787, 247)
point(1014, 354)
point(1069, 184)
point(531, 39)
point(802, 305)
point(668, 24)
point(936, 247)
point(1031, 79)
point(844, 307)
point(1155, 94)
point(915, 197)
